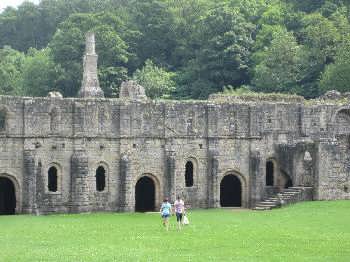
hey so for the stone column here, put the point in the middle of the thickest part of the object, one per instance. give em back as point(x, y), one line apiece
point(254, 187)
point(125, 185)
point(308, 169)
point(213, 181)
point(29, 182)
point(170, 185)
point(40, 187)
point(79, 182)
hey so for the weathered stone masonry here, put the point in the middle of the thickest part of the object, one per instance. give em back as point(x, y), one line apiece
point(305, 144)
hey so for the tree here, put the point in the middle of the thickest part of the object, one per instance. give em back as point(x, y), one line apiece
point(280, 68)
point(11, 67)
point(155, 22)
point(39, 73)
point(224, 46)
point(157, 82)
point(337, 75)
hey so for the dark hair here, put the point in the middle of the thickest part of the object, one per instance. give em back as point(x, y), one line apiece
point(165, 199)
point(178, 197)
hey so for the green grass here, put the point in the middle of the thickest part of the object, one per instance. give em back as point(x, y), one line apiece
point(313, 231)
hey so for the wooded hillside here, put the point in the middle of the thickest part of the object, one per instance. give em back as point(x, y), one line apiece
point(178, 48)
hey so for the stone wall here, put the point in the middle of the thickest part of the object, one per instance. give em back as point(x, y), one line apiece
point(308, 143)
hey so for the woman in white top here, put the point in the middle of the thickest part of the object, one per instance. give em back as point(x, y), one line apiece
point(179, 207)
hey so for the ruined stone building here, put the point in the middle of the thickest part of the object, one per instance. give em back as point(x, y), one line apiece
point(96, 154)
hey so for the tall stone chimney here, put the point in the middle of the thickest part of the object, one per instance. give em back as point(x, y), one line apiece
point(90, 86)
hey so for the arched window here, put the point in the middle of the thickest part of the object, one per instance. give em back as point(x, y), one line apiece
point(100, 179)
point(269, 173)
point(189, 174)
point(52, 179)
point(2, 120)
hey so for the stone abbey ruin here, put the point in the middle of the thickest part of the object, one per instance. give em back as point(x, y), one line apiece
point(97, 154)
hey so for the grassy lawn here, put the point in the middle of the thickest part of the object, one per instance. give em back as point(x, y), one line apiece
point(313, 231)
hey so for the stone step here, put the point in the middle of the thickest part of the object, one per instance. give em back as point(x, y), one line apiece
point(261, 208)
point(292, 189)
point(287, 196)
point(270, 202)
point(267, 206)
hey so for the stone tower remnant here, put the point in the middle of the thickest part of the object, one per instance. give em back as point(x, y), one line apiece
point(90, 86)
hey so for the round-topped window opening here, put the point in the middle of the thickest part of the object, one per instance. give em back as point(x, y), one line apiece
point(52, 179)
point(100, 178)
point(189, 174)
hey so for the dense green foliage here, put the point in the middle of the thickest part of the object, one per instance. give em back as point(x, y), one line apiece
point(311, 231)
point(196, 46)
point(156, 81)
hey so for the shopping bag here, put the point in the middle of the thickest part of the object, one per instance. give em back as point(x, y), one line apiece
point(185, 220)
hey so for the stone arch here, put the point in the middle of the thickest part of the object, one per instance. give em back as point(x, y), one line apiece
point(341, 121)
point(53, 170)
point(102, 165)
point(190, 174)
point(233, 186)
point(17, 193)
point(147, 193)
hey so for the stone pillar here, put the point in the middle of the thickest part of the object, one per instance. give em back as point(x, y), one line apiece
point(170, 186)
point(40, 187)
point(90, 85)
point(255, 187)
point(308, 169)
point(29, 182)
point(213, 181)
point(79, 182)
point(125, 185)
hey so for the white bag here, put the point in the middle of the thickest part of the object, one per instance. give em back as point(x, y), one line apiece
point(185, 220)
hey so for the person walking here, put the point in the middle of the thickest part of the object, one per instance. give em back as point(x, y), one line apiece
point(165, 211)
point(179, 207)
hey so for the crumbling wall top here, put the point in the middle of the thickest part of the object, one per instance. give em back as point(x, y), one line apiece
point(132, 90)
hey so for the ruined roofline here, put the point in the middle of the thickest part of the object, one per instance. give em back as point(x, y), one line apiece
point(228, 101)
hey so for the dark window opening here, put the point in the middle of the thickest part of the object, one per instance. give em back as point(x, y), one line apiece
point(230, 191)
point(7, 197)
point(2, 120)
point(52, 179)
point(189, 174)
point(100, 178)
point(269, 173)
point(144, 195)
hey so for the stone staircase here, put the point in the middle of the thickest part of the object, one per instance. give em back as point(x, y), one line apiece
point(285, 197)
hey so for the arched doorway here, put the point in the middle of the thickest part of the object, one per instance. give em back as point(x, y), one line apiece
point(145, 195)
point(270, 173)
point(230, 191)
point(7, 197)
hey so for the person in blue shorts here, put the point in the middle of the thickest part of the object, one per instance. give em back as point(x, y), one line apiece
point(165, 211)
